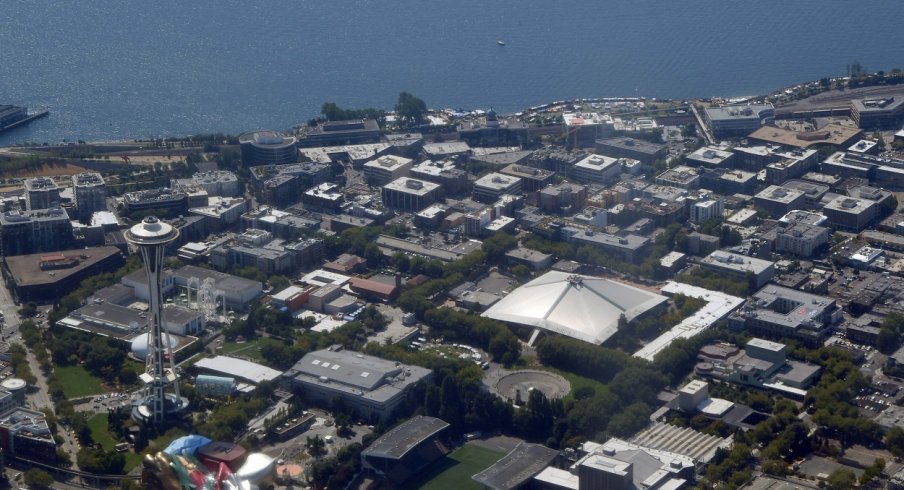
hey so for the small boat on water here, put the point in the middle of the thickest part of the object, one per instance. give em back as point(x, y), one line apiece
point(500, 42)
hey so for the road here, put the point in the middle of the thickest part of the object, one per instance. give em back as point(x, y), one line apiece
point(39, 398)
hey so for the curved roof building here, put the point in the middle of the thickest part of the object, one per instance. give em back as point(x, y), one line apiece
point(267, 148)
point(582, 307)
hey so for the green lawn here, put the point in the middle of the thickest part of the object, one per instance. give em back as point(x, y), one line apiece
point(101, 435)
point(77, 381)
point(245, 349)
point(456, 469)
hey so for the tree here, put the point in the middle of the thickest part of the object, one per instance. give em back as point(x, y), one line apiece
point(37, 478)
point(316, 446)
point(411, 109)
point(894, 441)
point(841, 479)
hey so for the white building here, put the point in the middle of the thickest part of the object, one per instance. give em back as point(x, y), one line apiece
point(597, 169)
point(386, 169)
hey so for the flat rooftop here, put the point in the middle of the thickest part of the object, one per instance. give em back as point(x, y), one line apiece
point(779, 193)
point(517, 467)
point(405, 437)
point(238, 368)
point(412, 186)
point(832, 134)
point(26, 269)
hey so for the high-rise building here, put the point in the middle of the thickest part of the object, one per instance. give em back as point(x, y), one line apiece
point(41, 193)
point(90, 193)
point(150, 237)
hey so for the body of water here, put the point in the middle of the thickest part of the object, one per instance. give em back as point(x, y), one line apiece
point(125, 70)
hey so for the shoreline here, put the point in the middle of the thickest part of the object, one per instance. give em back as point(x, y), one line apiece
point(537, 109)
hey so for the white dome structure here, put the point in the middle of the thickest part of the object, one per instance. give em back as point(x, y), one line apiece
point(140, 345)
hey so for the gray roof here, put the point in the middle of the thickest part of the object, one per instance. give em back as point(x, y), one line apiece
point(352, 373)
point(583, 307)
point(226, 282)
point(518, 466)
point(405, 437)
point(348, 368)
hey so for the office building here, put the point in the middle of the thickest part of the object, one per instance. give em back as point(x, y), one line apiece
point(728, 181)
point(565, 198)
point(637, 149)
point(712, 157)
point(89, 194)
point(41, 193)
point(267, 148)
point(784, 312)
point(339, 133)
point(739, 267)
point(26, 434)
point(880, 113)
point(738, 120)
point(489, 188)
point(680, 176)
point(800, 239)
point(597, 169)
point(409, 194)
point(215, 183)
point(161, 199)
point(849, 213)
point(371, 387)
point(385, 169)
point(583, 129)
point(452, 179)
point(491, 130)
point(533, 179)
point(324, 197)
point(27, 232)
point(778, 200)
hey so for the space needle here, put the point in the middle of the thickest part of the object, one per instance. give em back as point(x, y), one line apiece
point(150, 237)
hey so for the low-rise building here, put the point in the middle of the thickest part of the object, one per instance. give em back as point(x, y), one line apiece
point(597, 169)
point(26, 434)
point(712, 157)
point(583, 129)
point(387, 168)
point(370, 386)
point(490, 187)
point(800, 239)
point(783, 312)
point(738, 120)
point(849, 213)
point(51, 276)
point(565, 198)
point(762, 363)
point(680, 176)
point(778, 200)
point(878, 113)
point(444, 172)
point(739, 266)
point(409, 194)
point(637, 149)
point(337, 133)
point(533, 179)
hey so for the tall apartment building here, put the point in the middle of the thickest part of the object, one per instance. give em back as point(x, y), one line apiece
point(90, 193)
point(41, 193)
point(26, 232)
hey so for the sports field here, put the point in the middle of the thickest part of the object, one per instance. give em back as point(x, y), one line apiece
point(456, 469)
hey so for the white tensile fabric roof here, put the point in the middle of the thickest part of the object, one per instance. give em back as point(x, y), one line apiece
point(582, 307)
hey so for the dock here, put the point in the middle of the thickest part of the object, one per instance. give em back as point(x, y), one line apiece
point(31, 117)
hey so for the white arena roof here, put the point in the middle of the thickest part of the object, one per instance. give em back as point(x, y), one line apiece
point(582, 307)
point(238, 368)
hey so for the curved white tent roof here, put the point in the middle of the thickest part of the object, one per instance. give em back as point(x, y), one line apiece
point(582, 307)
